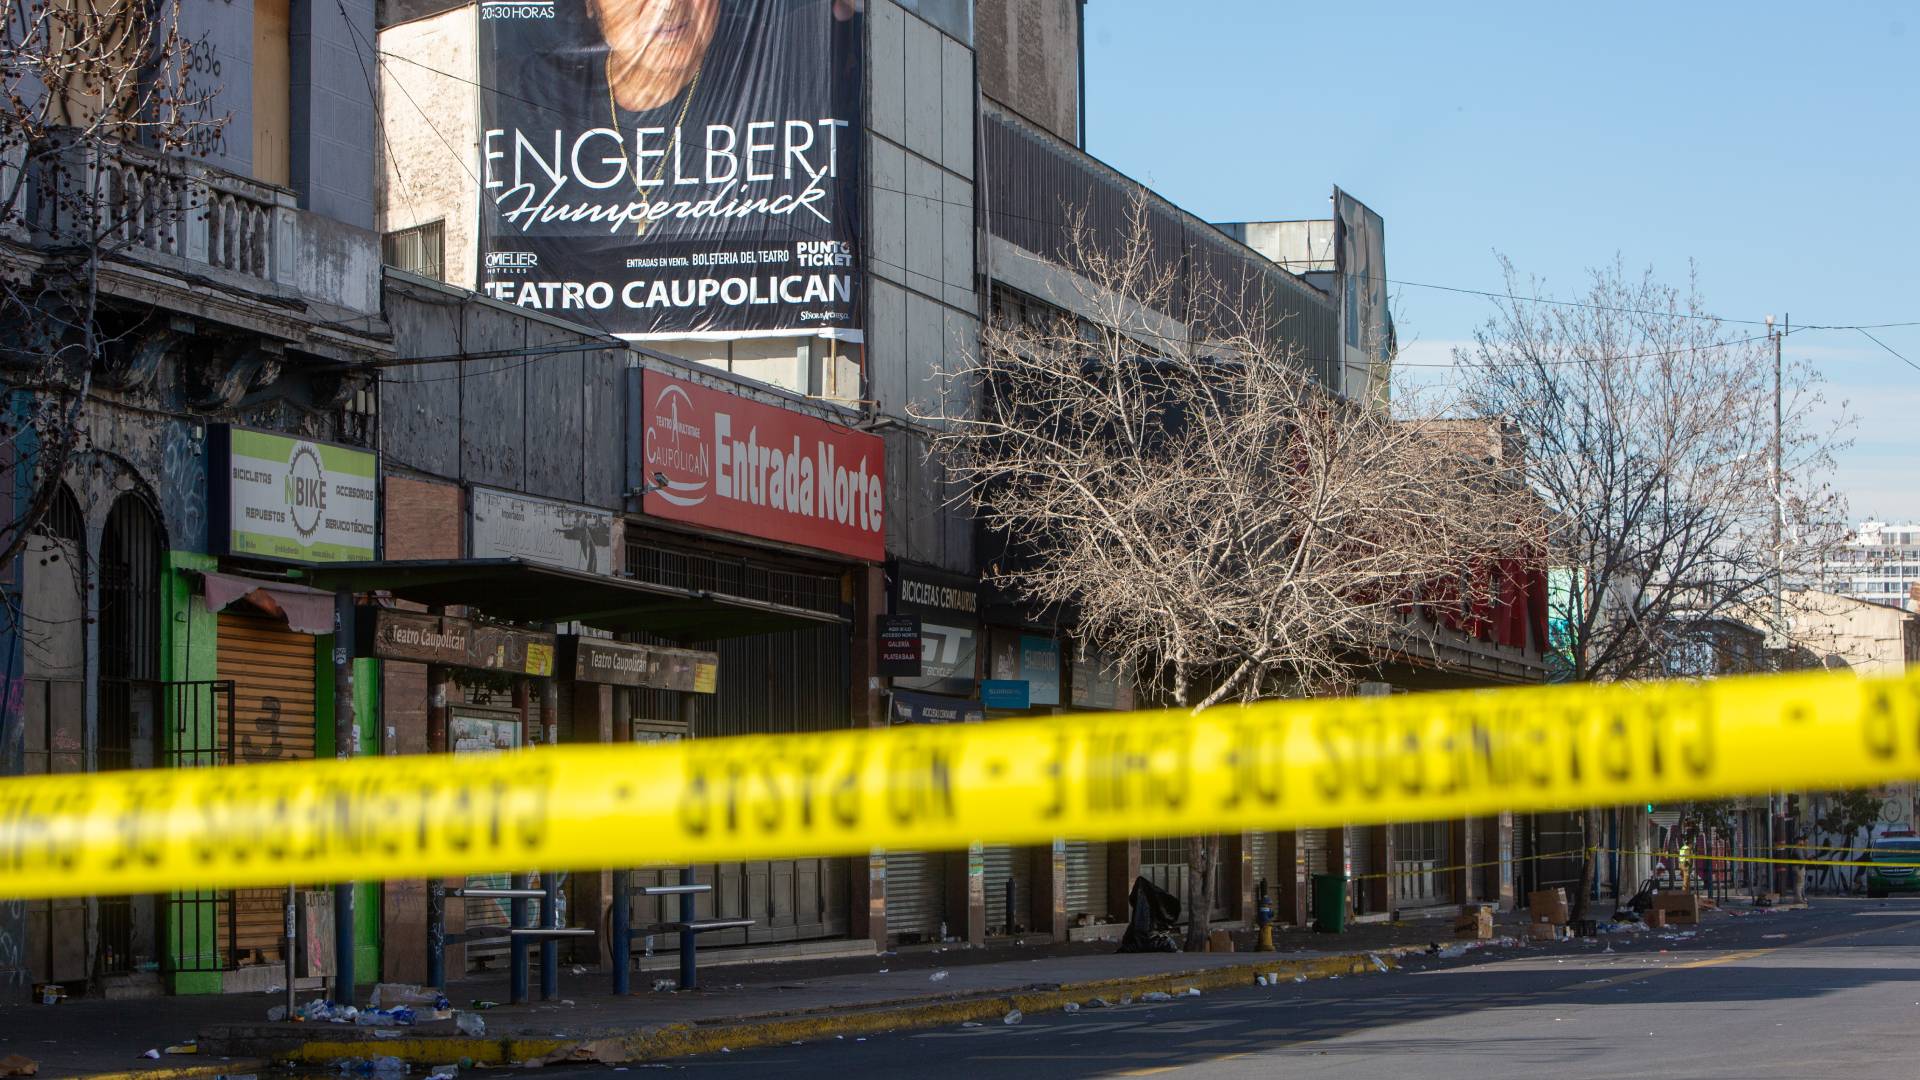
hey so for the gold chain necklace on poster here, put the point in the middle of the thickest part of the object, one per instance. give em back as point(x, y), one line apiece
point(613, 113)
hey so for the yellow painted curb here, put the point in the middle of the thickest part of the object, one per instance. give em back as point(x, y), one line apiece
point(230, 1067)
point(662, 1041)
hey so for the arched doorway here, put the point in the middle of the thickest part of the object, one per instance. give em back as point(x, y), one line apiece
point(53, 608)
point(126, 737)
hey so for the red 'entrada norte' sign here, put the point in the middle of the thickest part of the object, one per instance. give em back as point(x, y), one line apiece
point(734, 464)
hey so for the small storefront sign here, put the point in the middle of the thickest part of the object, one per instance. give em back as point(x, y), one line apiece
point(623, 663)
point(507, 524)
point(462, 643)
point(948, 607)
point(728, 462)
point(278, 497)
point(906, 707)
point(898, 638)
point(1005, 693)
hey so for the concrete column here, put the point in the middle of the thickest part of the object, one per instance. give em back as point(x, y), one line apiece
point(866, 588)
point(1506, 896)
point(591, 891)
point(967, 895)
point(1048, 908)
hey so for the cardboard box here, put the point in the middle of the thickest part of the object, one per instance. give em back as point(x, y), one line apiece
point(1547, 906)
point(1682, 908)
point(1655, 918)
point(1220, 941)
point(1477, 926)
point(1543, 931)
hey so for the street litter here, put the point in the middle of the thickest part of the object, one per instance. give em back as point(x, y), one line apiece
point(972, 1023)
point(579, 969)
point(661, 985)
point(478, 1003)
point(1099, 1003)
point(1013, 1016)
point(470, 1025)
point(1771, 936)
point(398, 1016)
point(444, 1072)
point(1259, 980)
point(1377, 962)
point(277, 1013)
point(1071, 1006)
point(322, 1009)
point(1156, 995)
point(1299, 978)
point(392, 995)
point(380, 1066)
point(154, 1054)
point(1191, 991)
point(936, 976)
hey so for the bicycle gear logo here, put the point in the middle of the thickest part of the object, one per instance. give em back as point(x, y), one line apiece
point(306, 490)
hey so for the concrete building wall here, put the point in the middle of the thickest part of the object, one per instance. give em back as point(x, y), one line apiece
point(335, 126)
point(429, 163)
point(1844, 633)
point(923, 312)
point(1030, 60)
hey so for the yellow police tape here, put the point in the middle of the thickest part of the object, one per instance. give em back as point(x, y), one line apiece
point(1696, 858)
point(1425, 870)
point(1275, 765)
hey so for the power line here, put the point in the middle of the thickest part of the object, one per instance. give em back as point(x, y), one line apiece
point(1067, 225)
point(1889, 348)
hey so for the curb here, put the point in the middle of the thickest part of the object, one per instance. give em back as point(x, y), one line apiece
point(660, 1041)
point(234, 1067)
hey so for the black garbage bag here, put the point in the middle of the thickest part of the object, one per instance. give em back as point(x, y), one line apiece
point(1156, 912)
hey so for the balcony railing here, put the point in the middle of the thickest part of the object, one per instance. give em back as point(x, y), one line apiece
point(134, 203)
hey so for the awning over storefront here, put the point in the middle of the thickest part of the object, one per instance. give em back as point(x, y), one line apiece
point(310, 611)
point(514, 590)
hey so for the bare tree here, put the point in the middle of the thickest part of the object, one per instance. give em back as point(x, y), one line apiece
point(1204, 510)
point(1650, 429)
point(97, 115)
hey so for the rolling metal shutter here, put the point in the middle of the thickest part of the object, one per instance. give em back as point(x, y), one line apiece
point(1360, 889)
point(1087, 881)
point(1266, 862)
point(916, 894)
point(272, 670)
point(996, 865)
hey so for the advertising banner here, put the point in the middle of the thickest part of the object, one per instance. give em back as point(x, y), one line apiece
point(278, 497)
point(507, 524)
point(725, 462)
point(673, 167)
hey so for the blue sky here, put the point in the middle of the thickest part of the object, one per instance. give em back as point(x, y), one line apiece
point(1777, 145)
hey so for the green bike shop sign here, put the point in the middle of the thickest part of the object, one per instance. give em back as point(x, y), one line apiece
point(291, 499)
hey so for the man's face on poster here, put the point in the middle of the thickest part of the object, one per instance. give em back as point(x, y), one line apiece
point(654, 47)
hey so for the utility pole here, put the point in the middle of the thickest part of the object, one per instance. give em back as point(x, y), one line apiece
point(1777, 633)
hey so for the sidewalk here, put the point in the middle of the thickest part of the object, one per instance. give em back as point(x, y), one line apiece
point(738, 1006)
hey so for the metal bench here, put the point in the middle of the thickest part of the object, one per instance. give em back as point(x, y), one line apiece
point(518, 934)
point(688, 927)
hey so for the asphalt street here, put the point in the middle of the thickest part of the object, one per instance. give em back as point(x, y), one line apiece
point(1830, 992)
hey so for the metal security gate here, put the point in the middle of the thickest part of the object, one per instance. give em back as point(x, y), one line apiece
point(1163, 861)
point(916, 895)
point(1265, 848)
point(1001, 867)
point(792, 681)
point(272, 669)
point(1087, 882)
point(1553, 840)
point(1419, 851)
point(202, 931)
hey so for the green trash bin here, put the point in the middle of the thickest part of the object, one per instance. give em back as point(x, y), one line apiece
point(1330, 903)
